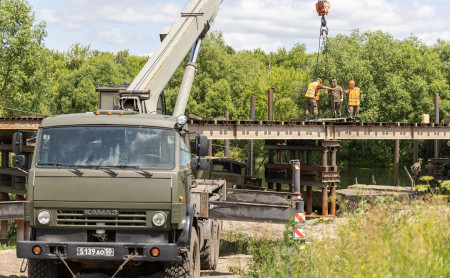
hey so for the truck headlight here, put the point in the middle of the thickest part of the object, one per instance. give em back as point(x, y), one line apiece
point(44, 217)
point(159, 219)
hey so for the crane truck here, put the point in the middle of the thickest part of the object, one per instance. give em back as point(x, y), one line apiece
point(114, 188)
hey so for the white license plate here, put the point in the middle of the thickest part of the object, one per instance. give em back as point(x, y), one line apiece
point(95, 251)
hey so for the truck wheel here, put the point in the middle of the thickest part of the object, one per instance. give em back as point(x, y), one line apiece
point(210, 251)
point(190, 267)
point(41, 269)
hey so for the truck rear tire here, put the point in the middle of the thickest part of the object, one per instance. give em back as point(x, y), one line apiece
point(41, 269)
point(210, 251)
point(190, 267)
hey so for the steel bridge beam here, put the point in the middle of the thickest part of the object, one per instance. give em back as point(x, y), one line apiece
point(242, 130)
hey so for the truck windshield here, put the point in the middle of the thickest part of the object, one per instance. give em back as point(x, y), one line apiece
point(95, 146)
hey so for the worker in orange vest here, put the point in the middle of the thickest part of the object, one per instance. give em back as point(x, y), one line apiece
point(311, 97)
point(354, 100)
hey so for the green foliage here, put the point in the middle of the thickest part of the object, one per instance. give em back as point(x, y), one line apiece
point(384, 241)
point(24, 62)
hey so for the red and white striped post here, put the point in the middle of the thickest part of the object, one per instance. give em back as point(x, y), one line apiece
point(299, 214)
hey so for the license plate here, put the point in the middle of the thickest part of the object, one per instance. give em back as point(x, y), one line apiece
point(95, 251)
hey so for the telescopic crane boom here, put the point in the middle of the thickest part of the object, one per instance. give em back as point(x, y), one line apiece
point(176, 41)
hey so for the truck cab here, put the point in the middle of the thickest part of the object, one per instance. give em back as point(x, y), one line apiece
point(105, 186)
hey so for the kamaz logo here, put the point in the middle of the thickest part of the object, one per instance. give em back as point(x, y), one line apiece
point(101, 212)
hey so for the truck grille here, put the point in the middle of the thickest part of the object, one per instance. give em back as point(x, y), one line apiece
point(124, 219)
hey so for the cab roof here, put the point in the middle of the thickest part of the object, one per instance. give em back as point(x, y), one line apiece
point(90, 118)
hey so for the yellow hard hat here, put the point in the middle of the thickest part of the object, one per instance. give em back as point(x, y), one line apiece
point(351, 83)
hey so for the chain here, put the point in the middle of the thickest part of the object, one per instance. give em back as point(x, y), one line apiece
point(124, 263)
point(65, 263)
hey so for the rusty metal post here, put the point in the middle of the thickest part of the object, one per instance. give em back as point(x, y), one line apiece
point(334, 158)
point(333, 199)
point(270, 104)
point(324, 201)
point(250, 142)
point(415, 151)
point(226, 149)
point(396, 160)
point(309, 200)
point(436, 121)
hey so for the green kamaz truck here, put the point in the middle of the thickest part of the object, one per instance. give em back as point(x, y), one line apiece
point(113, 189)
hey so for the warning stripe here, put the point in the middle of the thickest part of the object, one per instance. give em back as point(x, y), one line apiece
point(296, 197)
point(299, 233)
point(297, 166)
point(300, 217)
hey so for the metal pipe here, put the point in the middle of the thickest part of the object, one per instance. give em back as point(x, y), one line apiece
point(250, 142)
point(324, 201)
point(333, 199)
point(270, 104)
point(188, 79)
point(210, 148)
point(194, 55)
point(396, 160)
point(185, 89)
point(296, 176)
point(436, 120)
point(226, 141)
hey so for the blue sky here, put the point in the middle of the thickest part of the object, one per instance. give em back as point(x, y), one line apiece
point(113, 25)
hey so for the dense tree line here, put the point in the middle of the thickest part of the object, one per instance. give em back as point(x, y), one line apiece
point(398, 77)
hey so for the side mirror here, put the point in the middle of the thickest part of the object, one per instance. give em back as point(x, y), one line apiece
point(199, 164)
point(17, 143)
point(201, 145)
point(19, 161)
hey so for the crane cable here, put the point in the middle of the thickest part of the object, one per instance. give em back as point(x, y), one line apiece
point(322, 8)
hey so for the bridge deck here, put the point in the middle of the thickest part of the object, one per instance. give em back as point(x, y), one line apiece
point(265, 130)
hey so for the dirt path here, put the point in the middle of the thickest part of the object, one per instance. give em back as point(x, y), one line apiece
point(228, 261)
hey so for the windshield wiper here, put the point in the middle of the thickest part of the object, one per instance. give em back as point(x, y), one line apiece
point(144, 173)
point(108, 170)
point(73, 169)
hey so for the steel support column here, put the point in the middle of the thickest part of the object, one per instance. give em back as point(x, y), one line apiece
point(396, 161)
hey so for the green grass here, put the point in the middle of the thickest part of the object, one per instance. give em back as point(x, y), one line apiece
point(380, 240)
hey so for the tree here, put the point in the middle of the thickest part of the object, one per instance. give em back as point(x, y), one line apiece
point(24, 62)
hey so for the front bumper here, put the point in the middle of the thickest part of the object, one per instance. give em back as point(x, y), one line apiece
point(168, 252)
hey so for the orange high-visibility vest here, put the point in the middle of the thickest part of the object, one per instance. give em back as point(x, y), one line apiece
point(354, 96)
point(311, 92)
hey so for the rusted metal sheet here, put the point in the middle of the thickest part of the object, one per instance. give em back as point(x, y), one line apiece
point(11, 210)
point(239, 211)
point(256, 196)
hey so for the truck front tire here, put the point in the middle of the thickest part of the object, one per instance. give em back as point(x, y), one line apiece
point(190, 266)
point(41, 269)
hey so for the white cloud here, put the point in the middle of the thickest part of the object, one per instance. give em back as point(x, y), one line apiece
point(241, 41)
point(113, 35)
point(84, 13)
point(49, 16)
